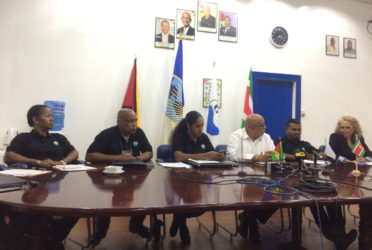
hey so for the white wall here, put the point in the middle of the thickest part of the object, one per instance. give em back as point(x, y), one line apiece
point(82, 51)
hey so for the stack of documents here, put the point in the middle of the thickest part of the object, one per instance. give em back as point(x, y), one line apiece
point(71, 167)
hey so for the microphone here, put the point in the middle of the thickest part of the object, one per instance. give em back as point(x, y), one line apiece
point(242, 173)
point(300, 156)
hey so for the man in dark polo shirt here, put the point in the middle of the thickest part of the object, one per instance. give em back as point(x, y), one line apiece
point(332, 221)
point(122, 142)
point(292, 144)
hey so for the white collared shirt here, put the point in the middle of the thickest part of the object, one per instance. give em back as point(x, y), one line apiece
point(185, 29)
point(164, 38)
point(241, 147)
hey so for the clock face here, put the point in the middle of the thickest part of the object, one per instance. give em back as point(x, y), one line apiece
point(279, 36)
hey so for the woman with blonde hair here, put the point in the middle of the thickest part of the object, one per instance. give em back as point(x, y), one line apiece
point(342, 142)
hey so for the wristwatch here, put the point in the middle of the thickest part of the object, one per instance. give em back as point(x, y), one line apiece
point(38, 162)
point(63, 162)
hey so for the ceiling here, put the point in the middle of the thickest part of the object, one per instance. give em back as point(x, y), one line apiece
point(363, 1)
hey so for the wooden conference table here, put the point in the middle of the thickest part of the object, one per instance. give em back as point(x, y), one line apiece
point(158, 190)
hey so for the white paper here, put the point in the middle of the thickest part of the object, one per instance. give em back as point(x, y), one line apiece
point(72, 167)
point(174, 165)
point(24, 172)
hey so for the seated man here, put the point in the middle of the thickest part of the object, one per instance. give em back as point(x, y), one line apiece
point(251, 144)
point(333, 223)
point(122, 142)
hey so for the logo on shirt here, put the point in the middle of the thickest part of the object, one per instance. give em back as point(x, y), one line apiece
point(135, 144)
point(203, 146)
point(56, 143)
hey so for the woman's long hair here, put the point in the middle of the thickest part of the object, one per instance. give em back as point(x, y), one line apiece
point(181, 127)
point(354, 122)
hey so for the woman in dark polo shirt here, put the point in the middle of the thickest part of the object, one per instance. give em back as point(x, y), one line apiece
point(189, 141)
point(42, 149)
point(39, 147)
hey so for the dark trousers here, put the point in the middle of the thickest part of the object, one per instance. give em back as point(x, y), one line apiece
point(262, 215)
point(333, 223)
point(38, 232)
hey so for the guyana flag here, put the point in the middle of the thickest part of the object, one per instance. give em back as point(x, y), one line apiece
point(358, 148)
point(277, 154)
point(132, 96)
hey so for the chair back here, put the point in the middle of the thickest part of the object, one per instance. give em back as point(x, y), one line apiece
point(221, 148)
point(321, 148)
point(164, 153)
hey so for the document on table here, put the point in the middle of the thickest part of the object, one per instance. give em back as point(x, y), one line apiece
point(174, 165)
point(71, 167)
point(318, 162)
point(24, 172)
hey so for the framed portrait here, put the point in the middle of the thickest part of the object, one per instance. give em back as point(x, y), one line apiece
point(207, 17)
point(349, 47)
point(332, 45)
point(185, 24)
point(207, 91)
point(164, 33)
point(228, 27)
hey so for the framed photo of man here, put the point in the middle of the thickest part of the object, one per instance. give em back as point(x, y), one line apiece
point(228, 27)
point(349, 47)
point(207, 13)
point(185, 24)
point(207, 91)
point(332, 45)
point(164, 33)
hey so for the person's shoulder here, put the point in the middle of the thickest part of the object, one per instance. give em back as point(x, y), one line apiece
point(139, 131)
point(108, 131)
point(237, 132)
point(204, 136)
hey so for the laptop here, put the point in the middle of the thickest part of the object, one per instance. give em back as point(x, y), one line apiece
point(130, 165)
point(10, 182)
point(211, 164)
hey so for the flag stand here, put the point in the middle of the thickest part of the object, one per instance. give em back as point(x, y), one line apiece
point(356, 171)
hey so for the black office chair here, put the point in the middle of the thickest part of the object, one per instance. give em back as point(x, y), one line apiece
point(164, 153)
point(222, 148)
point(321, 148)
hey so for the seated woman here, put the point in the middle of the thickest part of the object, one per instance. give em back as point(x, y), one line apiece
point(189, 141)
point(347, 132)
point(41, 149)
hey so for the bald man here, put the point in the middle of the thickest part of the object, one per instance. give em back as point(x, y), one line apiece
point(251, 143)
point(207, 20)
point(122, 142)
point(186, 29)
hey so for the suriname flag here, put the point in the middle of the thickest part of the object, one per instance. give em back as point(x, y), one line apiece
point(358, 148)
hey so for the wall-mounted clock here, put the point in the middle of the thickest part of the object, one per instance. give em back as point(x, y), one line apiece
point(279, 37)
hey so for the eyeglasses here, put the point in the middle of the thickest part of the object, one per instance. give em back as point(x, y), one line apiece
point(258, 126)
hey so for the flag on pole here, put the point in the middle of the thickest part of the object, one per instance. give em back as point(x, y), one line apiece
point(358, 148)
point(277, 154)
point(212, 123)
point(132, 96)
point(248, 102)
point(174, 110)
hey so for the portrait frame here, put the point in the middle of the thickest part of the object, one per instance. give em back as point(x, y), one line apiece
point(179, 24)
point(207, 91)
point(158, 43)
point(231, 34)
point(332, 50)
point(350, 52)
point(206, 24)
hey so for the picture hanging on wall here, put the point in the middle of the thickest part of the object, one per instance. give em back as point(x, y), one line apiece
point(186, 24)
point(332, 45)
point(207, 13)
point(164, 33)
point(349, 47)
point(207, 91)
point(228, 27)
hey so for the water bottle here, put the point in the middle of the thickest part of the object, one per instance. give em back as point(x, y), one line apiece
point(58, 112)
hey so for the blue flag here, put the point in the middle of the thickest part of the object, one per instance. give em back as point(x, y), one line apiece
point(174, 111)
point(212, 123)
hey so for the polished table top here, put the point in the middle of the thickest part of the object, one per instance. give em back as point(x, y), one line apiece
point(164, 190)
